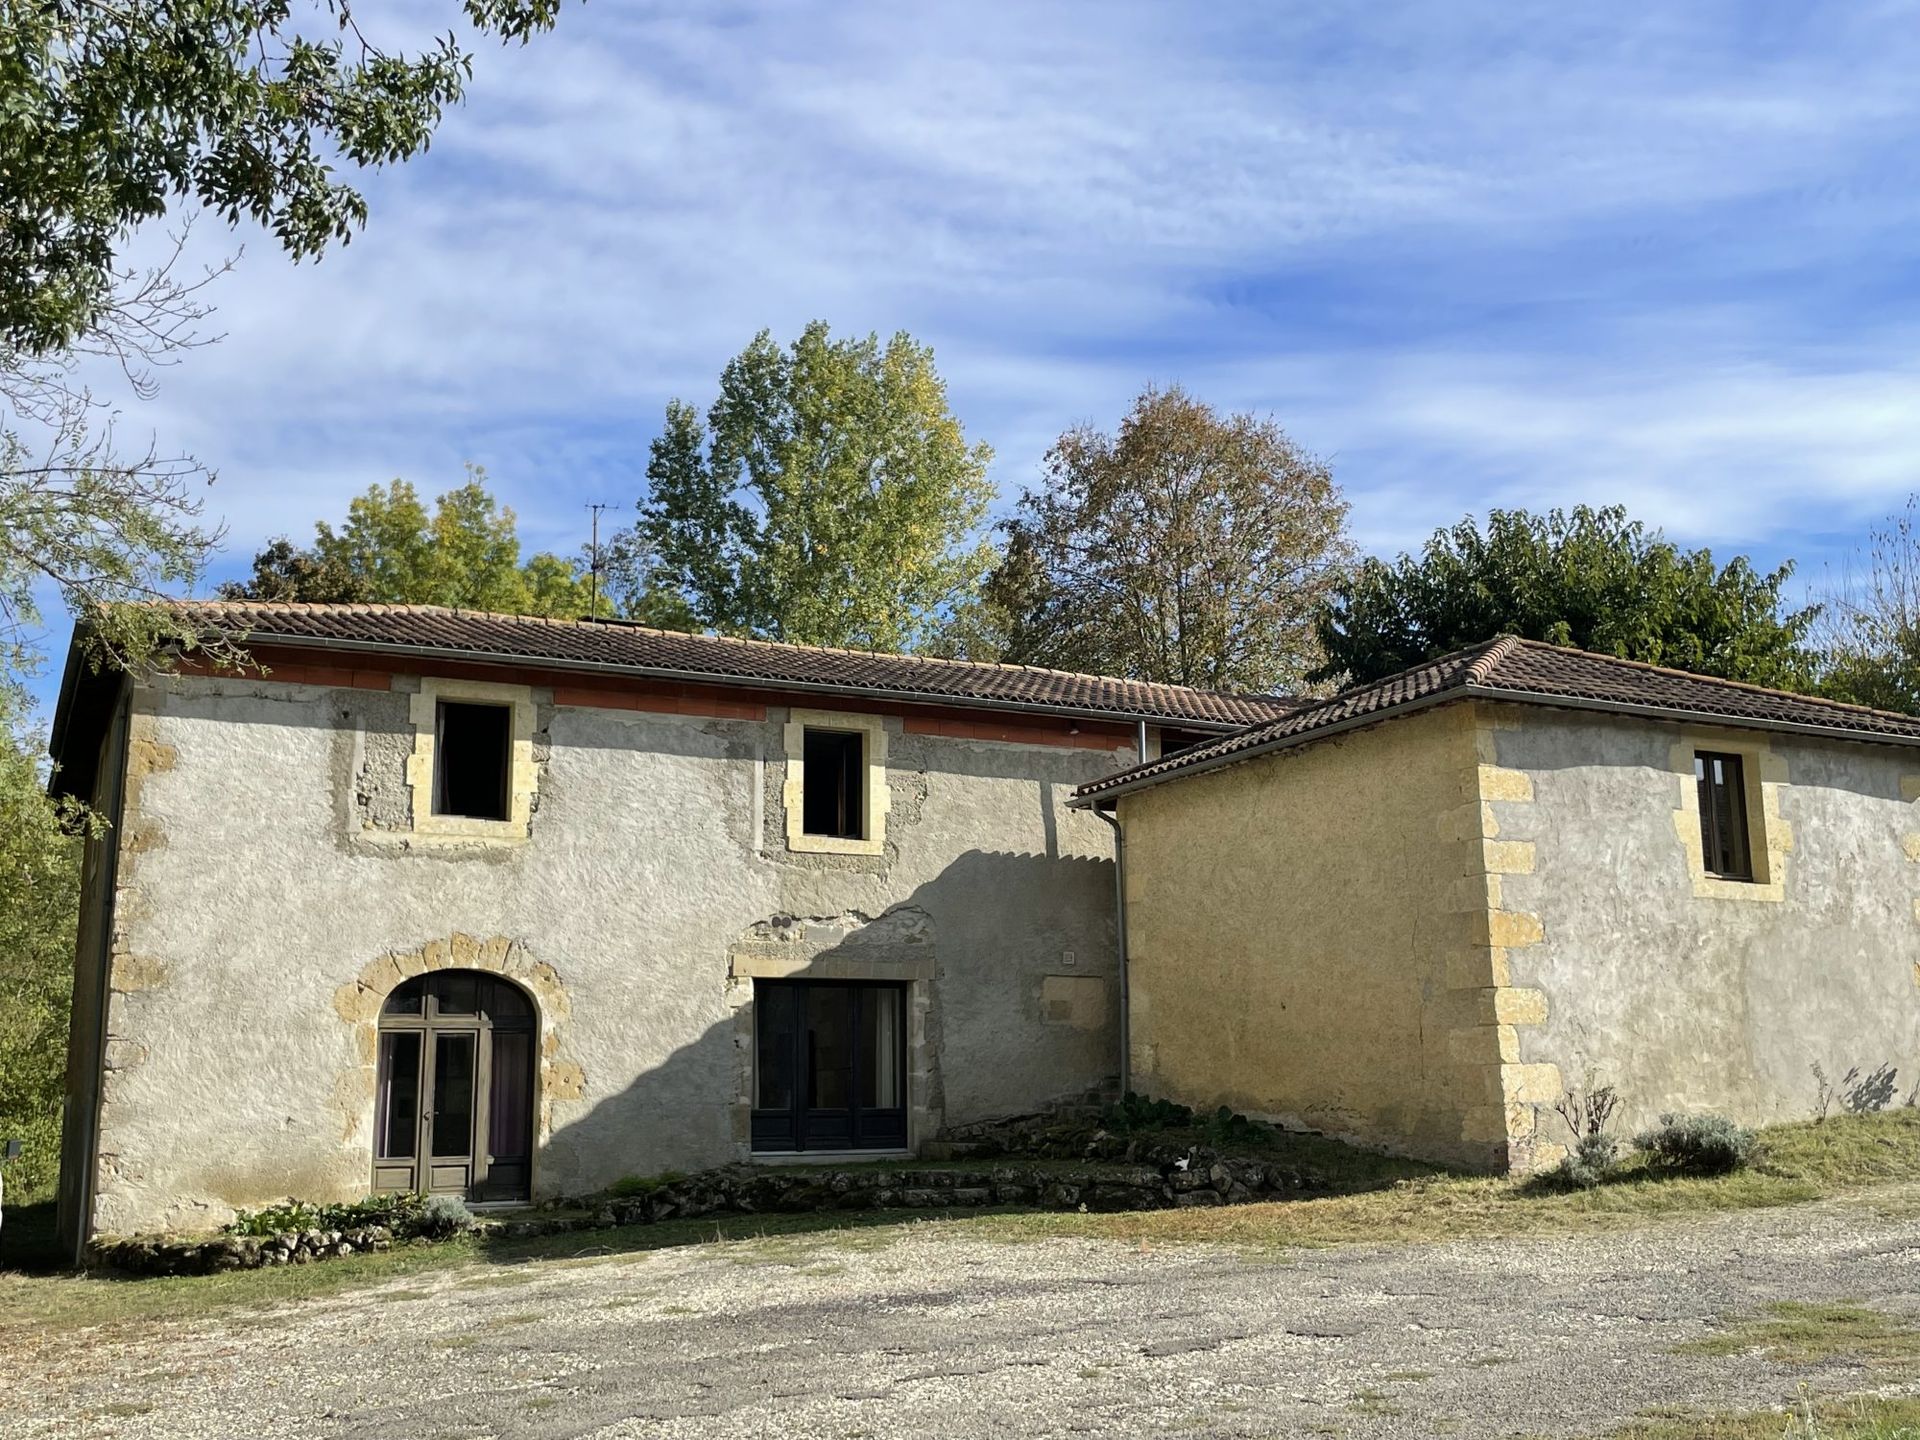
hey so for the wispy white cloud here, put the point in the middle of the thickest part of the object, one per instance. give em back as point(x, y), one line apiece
point(1476, 254)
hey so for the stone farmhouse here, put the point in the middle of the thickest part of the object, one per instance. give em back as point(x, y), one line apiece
point(513, 908)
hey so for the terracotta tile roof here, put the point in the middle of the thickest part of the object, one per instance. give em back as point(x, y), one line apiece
point(620, 647)
point(1532, 672)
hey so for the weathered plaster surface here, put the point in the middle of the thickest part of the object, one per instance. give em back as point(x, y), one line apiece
point(267, 880)
point(1311, 940)
point(1688, 993)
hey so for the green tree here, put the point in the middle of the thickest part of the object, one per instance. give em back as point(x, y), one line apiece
point(1870, 630)
point(391, 550)
point(111, 117)
point(1590, 578)
point(1190, 548)
point(829, 497)
point(245, 107)
point(39, 905)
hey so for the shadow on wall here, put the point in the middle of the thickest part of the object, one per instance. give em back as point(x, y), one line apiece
point(994, 925)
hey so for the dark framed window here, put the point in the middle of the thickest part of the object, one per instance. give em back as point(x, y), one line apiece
point(472, 760)
point(830, 1066)
point(833, 799)
point(1724, 842)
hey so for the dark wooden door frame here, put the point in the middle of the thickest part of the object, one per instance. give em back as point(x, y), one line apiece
point(431, 1025)
point(881, 1127)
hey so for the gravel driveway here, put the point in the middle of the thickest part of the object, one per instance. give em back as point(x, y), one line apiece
point(924, 1331)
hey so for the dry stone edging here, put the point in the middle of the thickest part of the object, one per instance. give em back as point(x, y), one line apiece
point(1159, 1181)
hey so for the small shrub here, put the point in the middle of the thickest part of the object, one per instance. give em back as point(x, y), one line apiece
point(272, 1219)
point(1696, 1145)
point(444, 1215)
point(1823, 1091)
point(1136, 1112)
point(407, 1216)
point(1587, 1113)
point(1225, 1127)
point(1593, 1161)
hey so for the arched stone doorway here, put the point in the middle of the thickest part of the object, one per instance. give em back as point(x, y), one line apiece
point(454, 1087)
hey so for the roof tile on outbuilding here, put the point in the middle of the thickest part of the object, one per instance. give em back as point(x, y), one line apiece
point(620, 647)
point(1531, 672)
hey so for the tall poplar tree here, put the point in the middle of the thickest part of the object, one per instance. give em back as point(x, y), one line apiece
point(828, 497)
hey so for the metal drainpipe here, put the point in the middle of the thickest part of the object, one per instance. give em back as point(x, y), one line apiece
point(1120, 928)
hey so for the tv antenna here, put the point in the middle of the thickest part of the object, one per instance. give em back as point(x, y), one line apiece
point(593, 561)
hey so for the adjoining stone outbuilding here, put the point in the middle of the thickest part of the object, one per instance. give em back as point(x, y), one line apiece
point(1413, 914)
point(514, 908)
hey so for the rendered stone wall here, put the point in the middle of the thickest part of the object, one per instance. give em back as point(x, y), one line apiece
point(271, 887)
point(1318, 938)
point(1689, 993)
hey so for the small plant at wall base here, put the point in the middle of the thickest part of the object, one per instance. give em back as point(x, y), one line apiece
point(1587, 1114)
point(1696, 1145)
point(409, 1217)
point(1136, 1112)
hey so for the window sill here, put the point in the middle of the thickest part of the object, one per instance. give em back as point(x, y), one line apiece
point(1718, 887)
point(824, 1157)
point(833, 845)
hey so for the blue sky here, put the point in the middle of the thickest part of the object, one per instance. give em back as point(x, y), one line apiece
point(1473, 254)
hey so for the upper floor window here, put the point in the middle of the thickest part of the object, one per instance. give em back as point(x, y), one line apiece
point(835, 794)
point(1725, 845)
point(472, 773)
point(473, 760)
point(833, 798)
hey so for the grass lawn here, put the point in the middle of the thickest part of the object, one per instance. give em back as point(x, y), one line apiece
point(1405, 1203)
point(1795, 1163)
point(1863, 1418)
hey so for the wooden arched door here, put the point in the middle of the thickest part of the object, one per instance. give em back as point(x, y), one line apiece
point(453, 1094)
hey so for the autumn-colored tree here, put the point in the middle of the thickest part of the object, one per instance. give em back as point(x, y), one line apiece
point(1190, 547)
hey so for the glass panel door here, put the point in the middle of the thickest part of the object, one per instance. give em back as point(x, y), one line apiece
point(451, 1110)
point(776, 1066)
point(396, 1111)
point(830, 1062)
point(509, 1118)
point(829, 1066)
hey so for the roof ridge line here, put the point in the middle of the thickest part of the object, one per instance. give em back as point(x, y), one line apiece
point(1721, 680)
point(564, 622)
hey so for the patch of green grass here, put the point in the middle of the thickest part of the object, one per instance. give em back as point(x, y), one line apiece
point(1861, 1418)
point(1844, 1151)
point(66, 1300)
point(628, 1186)
point(1433, 1209)
point(1408, 1375)
point(1792, 1333)
point(1372, 1402)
